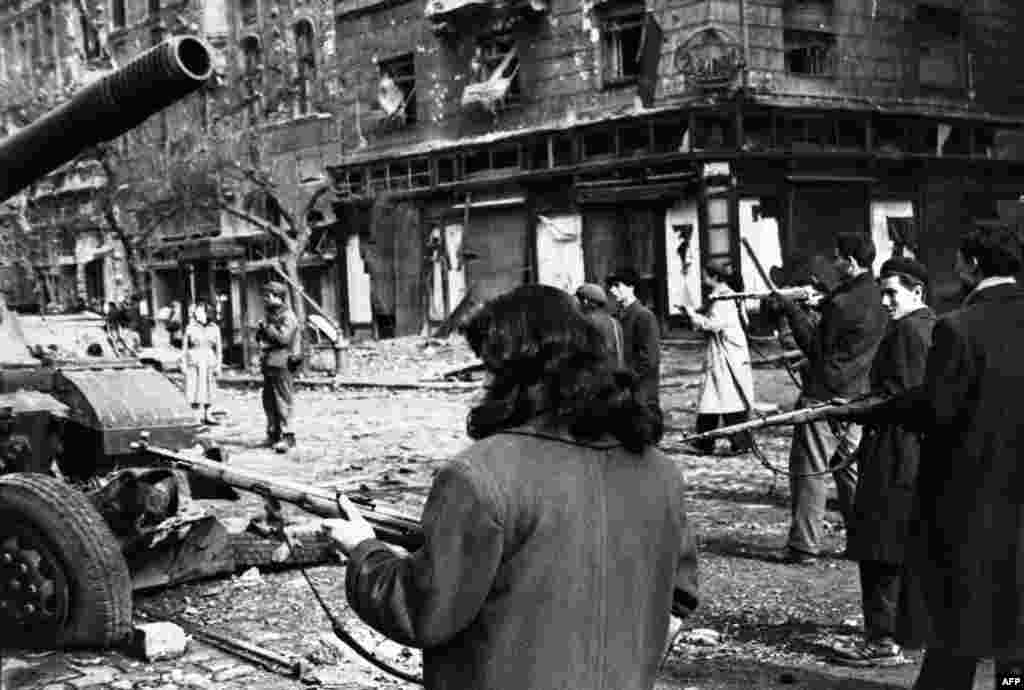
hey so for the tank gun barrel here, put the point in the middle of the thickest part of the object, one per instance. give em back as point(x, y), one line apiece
point(104, 110)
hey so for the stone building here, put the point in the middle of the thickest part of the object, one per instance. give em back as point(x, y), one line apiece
point(490, 143)
point(274, 70)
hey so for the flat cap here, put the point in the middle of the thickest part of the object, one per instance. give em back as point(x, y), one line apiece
point(592, 293)
point(903, 265)
point(275, 288)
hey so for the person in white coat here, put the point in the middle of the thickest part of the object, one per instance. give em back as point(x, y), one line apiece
point(727, 392)
point(201, 360)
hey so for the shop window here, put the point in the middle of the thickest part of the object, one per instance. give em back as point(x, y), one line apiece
point(940, 47)
point(117, 13)
point(305, 55)
point(622, 38)
point(810, 53)
point(396, 93)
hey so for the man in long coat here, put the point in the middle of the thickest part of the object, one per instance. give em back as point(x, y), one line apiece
point(971, 481)
point(888, 459)
point(727, 389)
point(839, 346)
point(641, 336)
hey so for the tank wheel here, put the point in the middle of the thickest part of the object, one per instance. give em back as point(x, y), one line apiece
point(63, 579)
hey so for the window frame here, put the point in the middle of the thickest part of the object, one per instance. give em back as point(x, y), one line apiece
point(790, 44)
point(403, 80)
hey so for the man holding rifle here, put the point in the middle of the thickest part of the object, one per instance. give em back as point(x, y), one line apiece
point(840, 346)
point(969, 512)
point(888, 459)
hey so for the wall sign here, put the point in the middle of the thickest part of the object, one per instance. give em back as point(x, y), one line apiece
point(709, 59)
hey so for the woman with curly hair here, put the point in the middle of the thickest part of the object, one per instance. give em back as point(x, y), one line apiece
point(557, 544)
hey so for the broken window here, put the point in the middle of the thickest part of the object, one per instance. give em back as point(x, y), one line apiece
point(90, 37)
point(940, 46)
point(117, 13)
point(494, 75)
point(810, 53)
point(305, 54)
point(396, 93)
point(622, 38)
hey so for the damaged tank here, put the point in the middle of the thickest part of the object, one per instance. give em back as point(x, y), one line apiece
point(78, 505)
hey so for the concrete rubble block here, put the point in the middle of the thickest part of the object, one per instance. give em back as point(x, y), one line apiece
point(159, 641)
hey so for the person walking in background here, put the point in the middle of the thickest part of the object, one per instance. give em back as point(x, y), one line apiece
point(594, 304)
point(277, 339)
point(888, 458)
point(641, 336)
point(840, 346)
point(727, 389)
point(201, 360)
point(557, 545)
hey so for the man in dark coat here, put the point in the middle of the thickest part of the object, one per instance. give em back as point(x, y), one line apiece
point(840, 346)
point(641, 336)
point(968, 514)
point(277, 338)
point(888, 458)
point(594, 304)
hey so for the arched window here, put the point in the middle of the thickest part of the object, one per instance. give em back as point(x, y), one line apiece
point(305, 54)
point(252, 69)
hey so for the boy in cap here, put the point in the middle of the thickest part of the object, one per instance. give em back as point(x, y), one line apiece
point(641, 336)
point(888, 457)
point(594, 303)
point(277, 337)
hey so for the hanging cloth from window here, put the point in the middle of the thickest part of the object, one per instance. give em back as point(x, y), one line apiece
point(389, 96)
point(490, 92)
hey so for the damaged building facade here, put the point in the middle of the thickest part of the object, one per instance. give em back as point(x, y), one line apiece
point(489, 144)
point(273, 66)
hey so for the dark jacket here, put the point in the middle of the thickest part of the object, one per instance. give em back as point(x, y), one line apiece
point(611, 330)
point(970, 489)
point(548, 564)
point(840, 344)
point(888, 454)
point(641, 339)
point(277, 338)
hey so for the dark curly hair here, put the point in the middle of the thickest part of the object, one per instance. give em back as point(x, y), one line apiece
point(997, 249)
point(547, 360)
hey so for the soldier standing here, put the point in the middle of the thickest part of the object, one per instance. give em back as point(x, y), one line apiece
point(277, 337)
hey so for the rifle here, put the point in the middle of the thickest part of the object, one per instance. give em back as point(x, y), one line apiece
point(798, 416)
point(800, 293)
point(390, 527)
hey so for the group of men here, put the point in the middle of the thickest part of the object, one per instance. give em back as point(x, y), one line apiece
point(632, 336)
point(935, 518)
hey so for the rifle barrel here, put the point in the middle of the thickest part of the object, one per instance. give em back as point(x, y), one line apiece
point(800, 415)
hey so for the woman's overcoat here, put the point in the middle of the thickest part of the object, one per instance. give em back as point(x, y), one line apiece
point(548, 564)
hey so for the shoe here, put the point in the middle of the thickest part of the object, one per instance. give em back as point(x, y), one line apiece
point(875, 653)
point(271, 440)
point(281, 447)
point(791, 556)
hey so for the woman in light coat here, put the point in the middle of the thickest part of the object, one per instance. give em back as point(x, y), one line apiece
point(727, 392)
point(201, 360)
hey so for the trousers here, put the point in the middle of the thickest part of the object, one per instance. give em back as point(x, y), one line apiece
point(880, 585)
point(706, 422)
point(818, 446)
point(278, 386)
